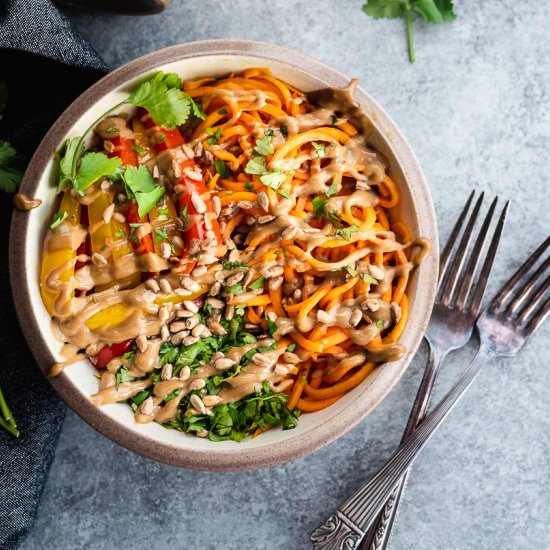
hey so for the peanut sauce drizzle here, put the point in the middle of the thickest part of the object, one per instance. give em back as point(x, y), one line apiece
point(71, 312)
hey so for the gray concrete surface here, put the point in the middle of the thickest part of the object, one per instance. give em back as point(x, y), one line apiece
point(476, 109)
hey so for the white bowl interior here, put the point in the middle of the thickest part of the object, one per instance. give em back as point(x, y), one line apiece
point(365, 396)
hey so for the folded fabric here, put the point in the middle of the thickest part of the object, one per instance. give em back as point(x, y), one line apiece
point(46, 65)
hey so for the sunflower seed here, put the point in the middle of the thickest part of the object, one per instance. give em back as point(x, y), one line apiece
point(165, 286)
point(263, 201)
point(396, 311)
point(229, 312)
point(152, 284)
point(118, 217)
point(215, 289)
point(289, 233)
point(190, 340)
point(236, 278)
point(166, 372)
point(275, 283)
point(377, 272)
point(265, 359)
point(178, 326)
point(188, 152)
point(356, 317)
point(108, 213)
point(216, 205)
point(196, 401)
point(185, 373)
point(199, 270)
point(165, 250)
point(197, 384)
point(98, 259)
point(147, 406)
point(189, 305)
point(141, 342)
point(289, 357)
point(207, 258)
point(272, 316)
point(281, 370)
point(224, 363)
point(198, 203)
point(216, 328)
point(191, 323)
point(165, 333)
point(324, 317)
point(211, 400)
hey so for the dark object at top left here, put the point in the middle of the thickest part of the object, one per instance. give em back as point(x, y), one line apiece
point(123, 7)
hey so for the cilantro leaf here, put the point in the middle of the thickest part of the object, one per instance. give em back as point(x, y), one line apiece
point(92, 167)
point(284, 194)
point(271, 327)
point(264, 145)
point(215, 135)
point(258, 283)
point(368, 279)
point(140, 185)
point(385, 9)
point(335, 218)
point(222, 169)
point(256, 165)
point(319, 207)
point(319, 149)
point(332, 190)
point(435, 11)
point(72, 151)
point(168, 106)
point(273, 179)
point(58, 218)
point(351, 271)
point(11, 168)
point(380, 324)
point(235, 289)
point(292, 347)
point(232, 265)
point(197, 109)
point(162, 234)
point(284, 130)
point(345, 233)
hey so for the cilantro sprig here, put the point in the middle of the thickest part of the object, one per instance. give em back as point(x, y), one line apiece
point(168, 106)
point(141, 185)
point(11, 163)
point(433, 11)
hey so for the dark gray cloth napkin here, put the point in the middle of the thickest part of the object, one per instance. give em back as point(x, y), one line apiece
point(45, 64)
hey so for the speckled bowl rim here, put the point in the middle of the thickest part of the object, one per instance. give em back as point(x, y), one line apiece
point(230, 460)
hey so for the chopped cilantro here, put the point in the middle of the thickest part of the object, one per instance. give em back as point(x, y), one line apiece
point(284, 130)
point(319, 149)
point(140, 185)
point(258, 283)
point(368, 279)
point(215, 135)
point(264, 145)
point(256, 165)
point(162, 234)
point(232, 265)
point(58, 218)
point(345, 233)
point(319, 207)
point(222, 169)
point(273, 179)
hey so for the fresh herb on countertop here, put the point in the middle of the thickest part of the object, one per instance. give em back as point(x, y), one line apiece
point(11, 163)
point(433, 11)
point(6, 418)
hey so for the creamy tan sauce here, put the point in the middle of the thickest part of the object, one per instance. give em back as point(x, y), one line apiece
point(74, 310)
point(24, 202)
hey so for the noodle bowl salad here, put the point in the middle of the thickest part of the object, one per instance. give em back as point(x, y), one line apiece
point(224, 254)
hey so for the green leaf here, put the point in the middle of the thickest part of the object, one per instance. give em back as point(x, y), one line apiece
point(58, 218)
point(435, 11)
point(345, 233)
point(284, 130)
point(335, 218)
point(197, 109)
point(223, 112)
point(256, 165)
point(351, 271)
point(258, 283)
point(380, 324)
point(235, 289)
point(216, 135)
point(141, 185)
point(273, 179)
point(264, 145)
point(292, 347)
point(137, 149)
point(319, 149)
point(11, 168)
point(222, 169)
point(271, 327)
point(284, 194)
point(168, 106)
point(368, 279)
point(332, 190)
point(232, 265)
point(92, 167)
point(319, 207)
point(162, 234)
point(385, 9)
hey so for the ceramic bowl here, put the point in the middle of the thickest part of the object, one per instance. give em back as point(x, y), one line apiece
point(78, 381)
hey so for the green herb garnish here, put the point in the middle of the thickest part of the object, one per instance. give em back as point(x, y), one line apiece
point(368, 279)
point(256, 165)
point(319, 207)
point(162, 234)
point(58, 219)
point(232, 265)
point(222, 169)
point(433, 11)
point(141, 186)
point(346, 232)
point(258, 283)
point(319, 149)
point(215, 135)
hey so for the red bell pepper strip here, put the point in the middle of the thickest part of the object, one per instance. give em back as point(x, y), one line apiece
point(199, 228)
point(166, 139)
point(145, 244)
point(107, 353)
point(122, 147)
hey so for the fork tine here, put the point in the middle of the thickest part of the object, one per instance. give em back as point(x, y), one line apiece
point(539, 318)
point(534, 302)
point(526, 290)
point(504, 294)
point(459, 258)
point(488, 264)
point(471, 268)
point(444, 260)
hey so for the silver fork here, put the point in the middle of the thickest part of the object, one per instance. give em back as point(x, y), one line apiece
point(457, 307)
point(450, 328)
point(503, 327)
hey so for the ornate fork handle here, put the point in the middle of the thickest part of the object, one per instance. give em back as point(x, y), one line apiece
point(345, 529)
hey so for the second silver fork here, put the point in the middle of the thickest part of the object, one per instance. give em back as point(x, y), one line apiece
point(450, 328)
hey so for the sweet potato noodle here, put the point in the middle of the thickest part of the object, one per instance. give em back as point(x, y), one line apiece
point(268, 279)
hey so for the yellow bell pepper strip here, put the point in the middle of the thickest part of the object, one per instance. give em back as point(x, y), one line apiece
point(116, 314)
point(163, 224)
point(55, 258)
point(101, 231)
